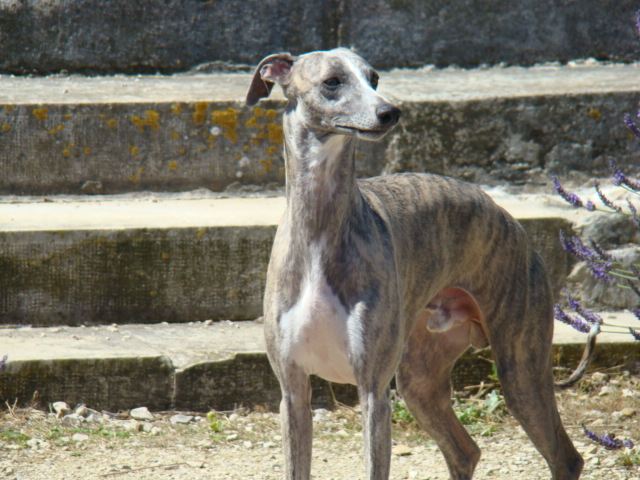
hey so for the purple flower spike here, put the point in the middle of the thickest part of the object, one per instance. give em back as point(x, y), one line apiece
point(635, 334)
point(574, 321)
point(619, 178)
point(604, 199)
point(636, 312)
point(631, 124)
point(603, 254)
point(600, 272)
point(634, 213)
point(572, 198)
point(3, 362)
point(608, 440)
point(588, 315)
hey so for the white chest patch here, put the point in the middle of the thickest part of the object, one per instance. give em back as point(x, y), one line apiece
point(319, 334)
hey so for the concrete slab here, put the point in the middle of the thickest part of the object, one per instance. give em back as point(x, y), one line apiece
point(170, 257)
point(183, 132)
point(202, 365)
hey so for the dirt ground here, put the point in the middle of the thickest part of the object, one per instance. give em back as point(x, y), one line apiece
point(39, 445)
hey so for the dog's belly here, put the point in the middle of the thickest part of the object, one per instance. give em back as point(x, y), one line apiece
point(319, 335)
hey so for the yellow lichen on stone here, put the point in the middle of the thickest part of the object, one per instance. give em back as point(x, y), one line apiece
point(66, 152)
point(274, 131)
point(9, 108)
point(6, 127)
point(152, 119)
point(87, 150)
point(267, 163)
point(67, 116)
point(134, 151)
point(134, 178)
point(272, 114)
point(138, 122)
point(176, 108)
point(258, 112)
point(112, 122)
point(595, 114)
point(40, 113)
point(200, 112)
point(227, 119)
point(175, 135)
point(272, 150)
point(252, 123)
point(182, 151)
point(173, 165)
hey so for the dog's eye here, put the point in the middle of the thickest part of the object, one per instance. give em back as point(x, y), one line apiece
point(332, 82)
point(374, 80)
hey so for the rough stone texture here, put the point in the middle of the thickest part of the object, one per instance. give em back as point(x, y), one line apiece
point(203, 365)
point(108, 383)
point(143, 276)
point(76, 148)
point(132, 147)
point(246, 380)
point(472, 32)
point(516, 140)
point(596, 294)
point(155, 275)
point(142, 36)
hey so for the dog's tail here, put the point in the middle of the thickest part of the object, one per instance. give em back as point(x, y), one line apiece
point(587, 354)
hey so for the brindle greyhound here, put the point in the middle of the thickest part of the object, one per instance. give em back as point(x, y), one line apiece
point(396, 274)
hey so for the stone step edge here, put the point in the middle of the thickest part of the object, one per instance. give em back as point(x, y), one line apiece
point(487, 126)
point(226, 380)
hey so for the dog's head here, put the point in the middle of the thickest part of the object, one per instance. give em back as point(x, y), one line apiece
point(332, 92)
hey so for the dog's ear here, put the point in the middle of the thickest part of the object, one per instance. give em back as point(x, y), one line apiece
point(273, 69)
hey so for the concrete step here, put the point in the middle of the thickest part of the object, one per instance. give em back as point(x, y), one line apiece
point(207, 365)
point(172, 35)
point(169, 133)
point(149, 258)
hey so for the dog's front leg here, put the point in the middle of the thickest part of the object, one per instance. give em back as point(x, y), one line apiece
point(376, 432)
point(295, 411)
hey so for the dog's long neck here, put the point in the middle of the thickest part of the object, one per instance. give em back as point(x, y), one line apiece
point(321, 186)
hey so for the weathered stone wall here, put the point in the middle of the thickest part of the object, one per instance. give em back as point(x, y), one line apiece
point(155, 275)
point(160, 275)
point(173, 35)
point(48, 149)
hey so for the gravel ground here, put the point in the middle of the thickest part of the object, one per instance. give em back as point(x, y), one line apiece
point(39, 445)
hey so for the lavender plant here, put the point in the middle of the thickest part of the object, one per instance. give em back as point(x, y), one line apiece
point(604, 266)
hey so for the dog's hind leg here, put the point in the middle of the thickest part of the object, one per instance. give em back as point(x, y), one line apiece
point(423, 379)
point(521, 341)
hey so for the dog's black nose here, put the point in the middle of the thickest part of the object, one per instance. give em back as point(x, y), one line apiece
point(388, 114)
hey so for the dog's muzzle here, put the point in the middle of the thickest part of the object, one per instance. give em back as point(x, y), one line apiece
point(388, 115)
